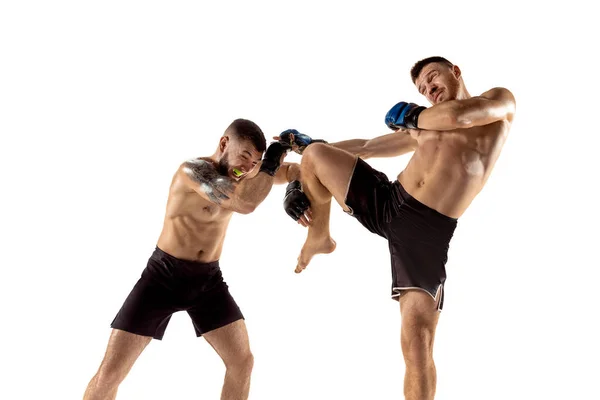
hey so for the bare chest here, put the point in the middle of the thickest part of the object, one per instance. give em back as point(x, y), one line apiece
point(192, 207)
point(203, 210)
point(469, 151)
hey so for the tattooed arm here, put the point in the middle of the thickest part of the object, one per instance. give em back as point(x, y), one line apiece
point(202, 177)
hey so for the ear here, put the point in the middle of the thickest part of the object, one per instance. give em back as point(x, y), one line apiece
point(456, 71)
point(223, 143)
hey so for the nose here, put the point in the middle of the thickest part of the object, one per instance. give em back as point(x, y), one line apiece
point(431, 92)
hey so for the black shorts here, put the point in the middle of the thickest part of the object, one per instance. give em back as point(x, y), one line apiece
point(168, 285)
point(418, 236)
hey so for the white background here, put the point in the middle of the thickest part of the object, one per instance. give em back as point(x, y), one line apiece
point(100, 102)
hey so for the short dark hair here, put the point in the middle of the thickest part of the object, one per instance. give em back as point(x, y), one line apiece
point(247, 130)
point(418, 67)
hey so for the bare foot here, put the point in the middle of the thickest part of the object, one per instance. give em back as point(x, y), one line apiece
point(313, 247)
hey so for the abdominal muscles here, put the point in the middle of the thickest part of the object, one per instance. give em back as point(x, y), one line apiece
point(194, 228)
point(447, 171)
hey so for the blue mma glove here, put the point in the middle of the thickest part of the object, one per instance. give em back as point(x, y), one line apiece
point(404, 115)
point(299, 140)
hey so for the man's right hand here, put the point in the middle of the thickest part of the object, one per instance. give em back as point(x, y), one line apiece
point(296, 204)
point(297, 140)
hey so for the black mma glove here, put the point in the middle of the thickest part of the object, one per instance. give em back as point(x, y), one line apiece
point(295, 202)
point(272, 159)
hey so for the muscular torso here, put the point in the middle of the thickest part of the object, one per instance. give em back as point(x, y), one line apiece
point(194, 228)
point(448, 169)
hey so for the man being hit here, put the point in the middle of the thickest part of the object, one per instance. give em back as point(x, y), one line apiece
point(183, 272)
point(456, 143)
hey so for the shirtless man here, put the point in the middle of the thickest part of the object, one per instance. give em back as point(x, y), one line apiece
point(183, 272)
point(456, 143)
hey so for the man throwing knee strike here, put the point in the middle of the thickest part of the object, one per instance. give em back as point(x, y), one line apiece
point(456, 143)
point(183, 272)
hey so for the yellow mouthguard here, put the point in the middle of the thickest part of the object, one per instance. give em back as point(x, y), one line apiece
point(237, 172)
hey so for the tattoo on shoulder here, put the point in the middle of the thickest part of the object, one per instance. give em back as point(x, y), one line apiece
point(213, 184)
point(201, 171)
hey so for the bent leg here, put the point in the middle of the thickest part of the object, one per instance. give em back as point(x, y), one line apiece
point(419, 321)
point(232, 344)
point(122, 351)
point(325, 172)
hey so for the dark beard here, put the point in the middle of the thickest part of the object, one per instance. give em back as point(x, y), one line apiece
point(223, 167)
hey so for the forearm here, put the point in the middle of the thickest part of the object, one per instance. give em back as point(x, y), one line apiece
point(441, 117)
point(354, 146)
point(390, 145)
point(251, 192)
point(467, 113)
point(202, 176)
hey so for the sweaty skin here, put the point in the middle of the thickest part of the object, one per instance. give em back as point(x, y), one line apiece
point(203, 195)
point(452, 163)
point(201, 202)
point(213, 184)
point(448, 169)
point(459, 139)
point(458, 144)
point(455, 149)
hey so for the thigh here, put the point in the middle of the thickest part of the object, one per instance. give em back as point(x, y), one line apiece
point(230, 342)
point(369, 198)
point(122, 351)
point(332, 166)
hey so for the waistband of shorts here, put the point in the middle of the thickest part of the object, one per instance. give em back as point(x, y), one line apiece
point(158, 253)
point(406, 197)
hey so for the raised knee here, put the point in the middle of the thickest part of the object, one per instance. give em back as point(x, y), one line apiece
point(314, 151)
